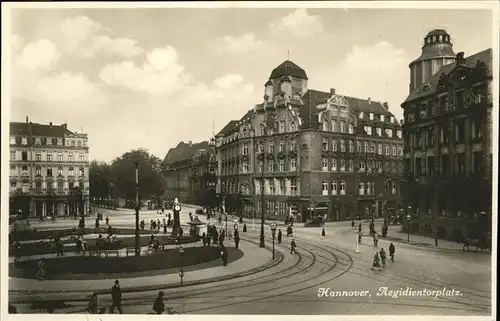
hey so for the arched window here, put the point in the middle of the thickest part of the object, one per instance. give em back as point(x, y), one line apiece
point(351, 129)
point(293, 126)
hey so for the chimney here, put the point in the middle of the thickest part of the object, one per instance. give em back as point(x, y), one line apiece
point(65, 126)
point(386, 105)
point(332, 91)
point(190, 143)
point(50, 124)
point(460, 58)
point(26, 119)
point(369, 101)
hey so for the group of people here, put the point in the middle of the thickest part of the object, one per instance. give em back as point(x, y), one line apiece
point(382, 258)
point(116, 302)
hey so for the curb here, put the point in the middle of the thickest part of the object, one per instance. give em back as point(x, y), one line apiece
point(41, 296)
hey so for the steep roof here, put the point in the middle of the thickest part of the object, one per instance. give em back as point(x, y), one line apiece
point(23, 129)
point(312, 98)
point(228, 128)
point(183, 151)
point(288, 68)
point(485, 56)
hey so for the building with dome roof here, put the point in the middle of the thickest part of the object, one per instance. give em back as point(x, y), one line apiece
point(311, 152)
point(448, 143)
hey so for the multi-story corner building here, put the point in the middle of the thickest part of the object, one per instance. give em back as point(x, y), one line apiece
point(189, 171)
point(448, 141)
point(312, 152)
point(49, 170)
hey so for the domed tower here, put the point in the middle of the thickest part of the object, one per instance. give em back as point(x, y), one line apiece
point(287, 78)
point(436, 52)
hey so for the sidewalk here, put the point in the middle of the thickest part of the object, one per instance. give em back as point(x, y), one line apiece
point(393, 235)
point(254, 260)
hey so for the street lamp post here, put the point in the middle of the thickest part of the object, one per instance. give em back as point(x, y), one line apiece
point(262, 244)
point(82, 189)
point(137, 239)
point(408, 219)
point(181, 272)
point(178, 186)
point(273, 230)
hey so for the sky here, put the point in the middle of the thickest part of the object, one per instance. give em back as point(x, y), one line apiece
point(150, 78)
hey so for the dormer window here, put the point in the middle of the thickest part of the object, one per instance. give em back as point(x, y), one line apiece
point(361, 115)
point(38, 141)
point(388, 132)
point(293, 126)
point(325, 125)
point(282, 126)
point(351, 129)
point(24, 141)
point(342, 126)
point(392, 119)
point(382, 118)
point(399, 134)
point(371, 116)
point(379, 131)
point(368, 130)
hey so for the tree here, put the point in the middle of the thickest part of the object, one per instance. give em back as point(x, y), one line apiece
point(151, 182)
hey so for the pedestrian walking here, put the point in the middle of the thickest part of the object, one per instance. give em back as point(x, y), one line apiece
point(359, 228)
point(375, 240)
point(208, 238)
point(280, 235)
point(40, 274)
point(165, 229)
point(236, 239)
point(92, 306)
point(17, 250)
point(360, 236)
point(376, 262)
point(204, 239)
point(142, 224)
point(159, 306)
point(323, 233)
point(96, 223)
point(152, 239)
point(292, 247)
point(59, 247)
point(245, 228)
point(158, 224)
point(392, 250)
point(352, 223)
point(383, 257)
point(107, 220)
point(116, 298)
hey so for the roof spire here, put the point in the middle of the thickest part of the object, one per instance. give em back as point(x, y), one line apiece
point(288, 55)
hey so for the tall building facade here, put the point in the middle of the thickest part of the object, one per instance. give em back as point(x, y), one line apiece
point(311, 153)
point(49, 170)
point(448, 141)
point(189, 172)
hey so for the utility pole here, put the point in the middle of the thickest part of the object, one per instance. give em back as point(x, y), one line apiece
point(137, 238)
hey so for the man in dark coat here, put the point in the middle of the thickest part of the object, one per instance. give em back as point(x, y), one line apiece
point(236, 239)
point(292, 247)
point(116, 298)
point(279, 236)
point(159, 306)
point(392, 250)
point(96, 223)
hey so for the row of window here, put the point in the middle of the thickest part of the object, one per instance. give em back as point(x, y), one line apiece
point(369, 165)
point(48, 171)
point(48, 141)
point(245, 167)
point(372, 116)
point(39, 157)
point(426, 136)
point(339, 187)
point(277, 188)
point(51, 186)
point(367, 147)
point(442, 104)
point(429, 166)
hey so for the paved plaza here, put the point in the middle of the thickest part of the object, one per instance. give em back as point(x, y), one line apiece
point(255, 284)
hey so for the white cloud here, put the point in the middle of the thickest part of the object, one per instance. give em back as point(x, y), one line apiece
point(300, 23)
point(39, 54)
point(159, 74)
point(245, 43)
point(228, 81)
point(81, 36)
point(377, 71)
